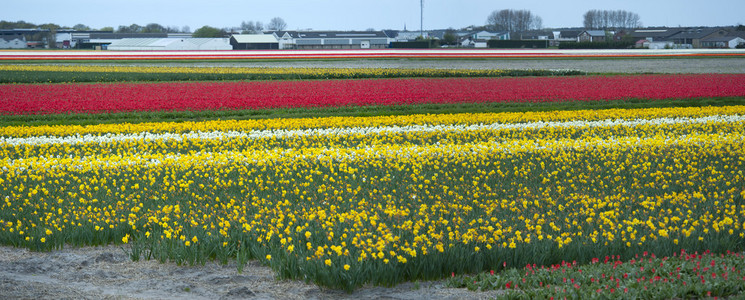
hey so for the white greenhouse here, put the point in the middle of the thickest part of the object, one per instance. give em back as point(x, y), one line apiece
point(166, 44)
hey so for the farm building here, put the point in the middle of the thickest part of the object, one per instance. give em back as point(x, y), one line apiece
point(695, 36)
point(167, 44)
point(592, 36)
point(21, 38)
point(254, 41)
point(12, 42)
point(654, 34)
point(332, 39)
point(722, 42)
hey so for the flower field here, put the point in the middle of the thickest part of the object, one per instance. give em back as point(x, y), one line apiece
point(72, 55)
point(92, 73)
point(345, 201)
point(97, 98)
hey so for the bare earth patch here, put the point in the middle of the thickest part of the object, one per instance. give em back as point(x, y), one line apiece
point(108, 273)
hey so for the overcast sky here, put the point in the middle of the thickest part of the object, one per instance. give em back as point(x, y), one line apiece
point(358, 14)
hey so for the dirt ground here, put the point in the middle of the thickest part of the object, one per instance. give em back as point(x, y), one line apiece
point(108, 273)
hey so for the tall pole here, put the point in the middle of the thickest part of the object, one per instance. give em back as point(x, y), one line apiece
point(421, 18)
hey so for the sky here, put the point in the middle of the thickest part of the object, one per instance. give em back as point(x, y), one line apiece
point(358, 14)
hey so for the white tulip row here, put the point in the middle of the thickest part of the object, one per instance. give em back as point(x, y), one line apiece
point(342, 131)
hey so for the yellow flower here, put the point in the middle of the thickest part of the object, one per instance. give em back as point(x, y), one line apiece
point(49, 232)
point(476, 248)
point(187, 243)
point(328, 262)
point(125, 239)
point(268, 257)
point(43, 240)
point(346, 267)
point(194, 239)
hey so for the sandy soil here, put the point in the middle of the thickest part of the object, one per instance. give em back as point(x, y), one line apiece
point(108, 273)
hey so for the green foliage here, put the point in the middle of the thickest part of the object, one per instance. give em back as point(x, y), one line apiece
point(644, 276)
point(208, 32)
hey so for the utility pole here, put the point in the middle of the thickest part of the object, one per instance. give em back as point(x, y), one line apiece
point(421, 18)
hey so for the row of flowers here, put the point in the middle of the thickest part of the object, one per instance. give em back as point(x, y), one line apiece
point(359, 205)
point(16, 74)
point(339, 132)
point(340, 54)
point(95, 98)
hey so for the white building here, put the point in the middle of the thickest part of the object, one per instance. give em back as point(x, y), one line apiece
point(14, 43)
point(722, 42)
point(168, 44)
point(332, 39)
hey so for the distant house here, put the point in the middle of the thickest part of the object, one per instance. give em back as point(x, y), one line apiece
point(533, 35)
point(473, 43)
point(409, 36)
point(481, 38)
point(12, 42)
point(722, 42)
point(661, 45)
point(254, 42)
point(168, 44)
point(332, 39)
point(592, 36)
point(566, 36)
point(654, 34)
point(489, 35)
point(695, 36)
point(67, 38)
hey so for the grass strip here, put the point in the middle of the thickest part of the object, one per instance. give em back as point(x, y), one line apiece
point(352, 111)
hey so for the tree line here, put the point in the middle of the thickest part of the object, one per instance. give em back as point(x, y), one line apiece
point(604, 19)
point(246, 27)
point(512, 20)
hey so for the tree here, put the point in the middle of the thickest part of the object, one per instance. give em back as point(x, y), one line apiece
point(513, 20)
point(186, 29)
point(449, 38)
point(208, 32)
point(134, 28)
point(611, 19)
point(107, 28)
point(81, 27)
point(154, 28)
point(248, 27)
point(16, 25)
point(277, 24)
point(52, 35)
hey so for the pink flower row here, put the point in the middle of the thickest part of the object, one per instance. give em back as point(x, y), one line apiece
point(123, 97)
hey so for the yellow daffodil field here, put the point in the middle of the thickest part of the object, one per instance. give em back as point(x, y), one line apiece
point(348, 201)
